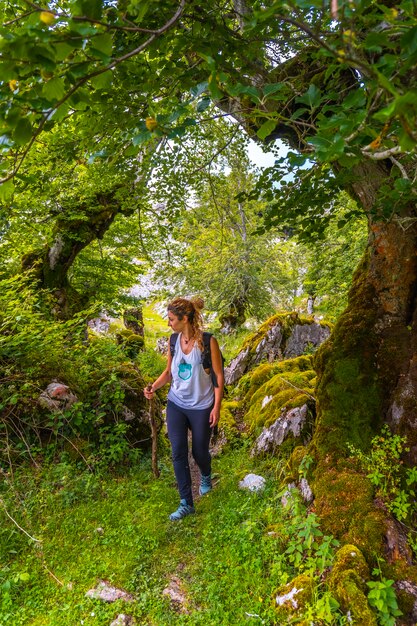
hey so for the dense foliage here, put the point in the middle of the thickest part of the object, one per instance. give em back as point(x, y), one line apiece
point(106, 112)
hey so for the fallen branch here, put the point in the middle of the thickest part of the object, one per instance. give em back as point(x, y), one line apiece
point(16, 524)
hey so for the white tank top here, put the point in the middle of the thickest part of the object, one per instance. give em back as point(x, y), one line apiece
point(191, 386)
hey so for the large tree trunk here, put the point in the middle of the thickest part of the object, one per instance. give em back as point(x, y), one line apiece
point(368, 370)
point(71, 235)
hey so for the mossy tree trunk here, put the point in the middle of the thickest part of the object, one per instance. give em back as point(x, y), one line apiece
point(368, 370)
point(368, 377)
point(72, 232)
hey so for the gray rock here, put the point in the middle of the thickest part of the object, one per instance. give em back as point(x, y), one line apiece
point(270, 347)
point(123, 620)
point(411, 589)
point(162, 345)
point(101, 325)
point(176, 594)
point(252, 482)
point(128, 414)
point(306, 492)
point(108, 593)
point(57, 397)
point(289, 597)
point(304, 336)
point(291, 421)
point(276, 346)
point(238, 366)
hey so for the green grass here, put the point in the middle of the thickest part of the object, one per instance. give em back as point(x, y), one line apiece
point(226, 561)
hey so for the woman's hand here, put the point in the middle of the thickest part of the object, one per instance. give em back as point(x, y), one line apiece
point(214, 417)
point(148, 392)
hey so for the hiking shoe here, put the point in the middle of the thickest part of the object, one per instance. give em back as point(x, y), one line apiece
point(205, 485)
point(183, 510)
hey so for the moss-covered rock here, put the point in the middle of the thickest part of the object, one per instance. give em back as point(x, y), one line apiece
point(253, 380)
point(131, 342)
point(290, 599)
point(290, 390)
point(229, 424)
point(347, 583)
point(282, 336)
point(345, 504)
point(294, 463)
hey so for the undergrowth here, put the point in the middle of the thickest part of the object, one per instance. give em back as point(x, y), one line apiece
point(77, 528)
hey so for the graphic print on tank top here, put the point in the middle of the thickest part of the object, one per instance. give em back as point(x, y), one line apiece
point(185, 370)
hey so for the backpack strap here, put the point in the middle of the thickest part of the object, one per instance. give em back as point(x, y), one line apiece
point(172, 341)
point(206, 358)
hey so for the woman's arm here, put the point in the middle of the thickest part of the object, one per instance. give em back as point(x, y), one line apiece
point(217, 365)
point(162, 380)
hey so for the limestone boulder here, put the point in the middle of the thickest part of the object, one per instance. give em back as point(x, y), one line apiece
point(291, 422)
point(283, 336)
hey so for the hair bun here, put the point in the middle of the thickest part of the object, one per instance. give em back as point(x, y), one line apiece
point(198, 303)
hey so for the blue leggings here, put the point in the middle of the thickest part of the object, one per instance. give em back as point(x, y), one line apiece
point(179, 421)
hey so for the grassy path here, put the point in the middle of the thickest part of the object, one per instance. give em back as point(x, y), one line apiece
point(223, 560)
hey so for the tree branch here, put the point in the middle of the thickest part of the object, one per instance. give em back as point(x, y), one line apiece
point(16, 524)
point(380, 156)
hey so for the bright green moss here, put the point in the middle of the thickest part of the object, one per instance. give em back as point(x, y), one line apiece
point(349, 391)
point(282, 390)
point(290, 599)
point(228, 423)
point(347, 583)
point(344, 502)
point(294, 462)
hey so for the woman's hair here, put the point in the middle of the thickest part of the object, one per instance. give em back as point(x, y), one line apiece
point(190, 308)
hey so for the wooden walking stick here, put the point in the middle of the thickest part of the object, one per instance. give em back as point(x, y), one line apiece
point(154, 436)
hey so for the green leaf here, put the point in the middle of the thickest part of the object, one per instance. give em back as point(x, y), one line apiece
point(409, 40)
point(89, 8)
point(312, 97)
point(141, 137)
point(298, 113)
point(203, 104)
point(61, 112)
point(406, 142)
point(23, 131)
point(8, 71)
point(250, 90)
point(268, 90)
point(385, 82)
point(103, 81)
point(104, 43)
point(266, 129)
point(355, 99)
point(214, 89)
point(62, 50)
point(54, 89)
point(319, 142)
point(6, 190)
point(375, 40)
point(197, 90)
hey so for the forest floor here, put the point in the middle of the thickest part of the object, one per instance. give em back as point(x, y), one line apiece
point(219, 566)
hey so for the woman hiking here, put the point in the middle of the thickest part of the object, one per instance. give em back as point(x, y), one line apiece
point(193, 399)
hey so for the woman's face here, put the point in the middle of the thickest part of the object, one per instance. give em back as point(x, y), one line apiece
point(176, 324)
